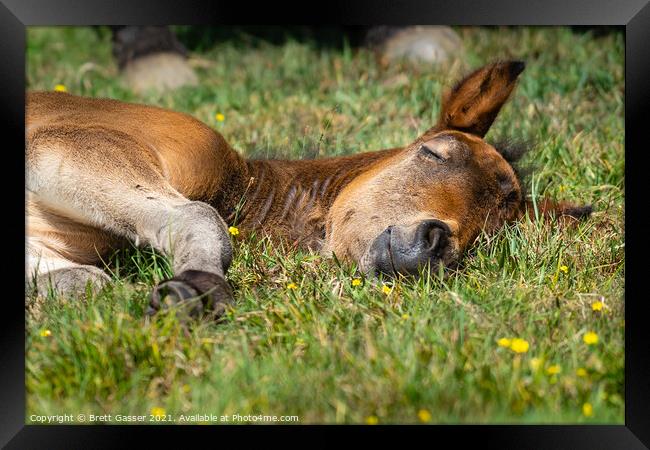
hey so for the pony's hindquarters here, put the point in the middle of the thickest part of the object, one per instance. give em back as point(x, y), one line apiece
point(98, 183)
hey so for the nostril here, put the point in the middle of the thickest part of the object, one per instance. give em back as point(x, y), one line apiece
point(432, 236)
point(437, 240)
point(435, 236)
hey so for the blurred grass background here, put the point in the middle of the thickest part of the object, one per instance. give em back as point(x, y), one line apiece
point(329, 351)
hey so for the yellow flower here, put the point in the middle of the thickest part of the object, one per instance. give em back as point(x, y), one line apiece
point(581, 372)
point(60, 88)
point(564, 269)
point(587, 409)
point(405, 316)
point(504, 342)
point(385, 289)
point(157, 411)
point(535, 363)
point(45, 333)
point(220, 117)
point(519, 345)
point(372, 420)
point(356, 282)
point(233, 230)
point(597, 306)
point(590, 338)
point(554, 369)
point(292, 286)
point(562, 188)
point(424, 415)
point(186, 388)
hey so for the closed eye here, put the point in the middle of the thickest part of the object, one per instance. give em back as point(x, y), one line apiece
point(431, 153)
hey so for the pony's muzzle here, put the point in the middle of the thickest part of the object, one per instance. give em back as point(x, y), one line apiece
point(408, 249)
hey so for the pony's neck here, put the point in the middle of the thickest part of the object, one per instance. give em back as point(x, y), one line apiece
point(290, 199)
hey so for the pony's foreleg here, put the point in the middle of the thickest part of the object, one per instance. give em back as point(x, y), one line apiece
point(196, 238)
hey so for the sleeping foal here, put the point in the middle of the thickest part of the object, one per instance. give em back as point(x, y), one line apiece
point(100, 172)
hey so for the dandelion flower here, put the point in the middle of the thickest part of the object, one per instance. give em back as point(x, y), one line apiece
point(590, 338)
point(233, 230)
point(564, 269)
point(554, 369)
point(385, 289)
point(581, 372)
point(405, 316)
point(519, 345)
point(186, 388)
point(220, 117)
point(356, 282)
point(535, 363)
point(424, 416)
point(157, 411)
point(292, 286)
point(597, 306)
point(504, 342)
point(587, 410)
point(60, 88)
point(45, 333)
point(372, 420)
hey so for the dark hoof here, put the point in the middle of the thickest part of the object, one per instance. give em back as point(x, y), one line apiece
point(194, 293)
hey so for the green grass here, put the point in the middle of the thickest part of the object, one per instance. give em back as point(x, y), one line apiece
point(331, 352)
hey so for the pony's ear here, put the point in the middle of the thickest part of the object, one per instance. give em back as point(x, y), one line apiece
point(473, 104)
point(562, 211)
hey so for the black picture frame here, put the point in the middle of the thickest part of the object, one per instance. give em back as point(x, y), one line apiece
point(633, 15)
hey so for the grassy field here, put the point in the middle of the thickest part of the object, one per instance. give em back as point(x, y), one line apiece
point(433, 351)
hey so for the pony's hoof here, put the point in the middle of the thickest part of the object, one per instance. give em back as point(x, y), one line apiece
point(175, 294)
point(194, 293)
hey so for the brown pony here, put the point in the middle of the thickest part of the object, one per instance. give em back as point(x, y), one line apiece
point(100, 172)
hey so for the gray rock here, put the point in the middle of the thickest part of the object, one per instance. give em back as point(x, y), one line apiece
point(423, 43)
point(158, 72)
